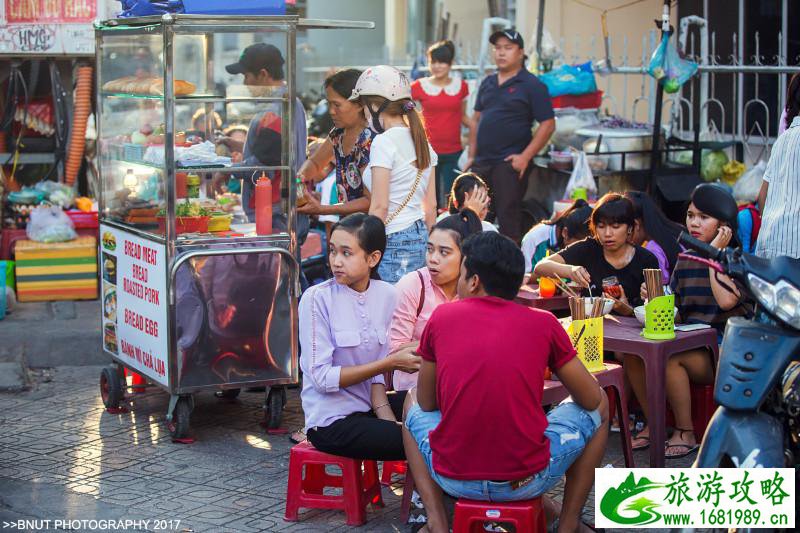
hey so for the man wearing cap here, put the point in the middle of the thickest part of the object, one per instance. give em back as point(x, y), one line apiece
point(262, 66)
point(501, 144)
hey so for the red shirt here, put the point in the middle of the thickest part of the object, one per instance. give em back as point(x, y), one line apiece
point(490, 357)
point(442, 111)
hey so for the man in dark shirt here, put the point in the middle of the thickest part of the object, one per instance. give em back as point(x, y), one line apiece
point(501, 144)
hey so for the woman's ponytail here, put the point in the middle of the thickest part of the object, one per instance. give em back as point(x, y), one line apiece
point(420, 139)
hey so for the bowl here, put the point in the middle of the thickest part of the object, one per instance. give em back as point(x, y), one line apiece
point(608, 305)
point(640, 313)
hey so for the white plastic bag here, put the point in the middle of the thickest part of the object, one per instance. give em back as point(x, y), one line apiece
point(581, 177)
point(50, 224)
point(746, 189)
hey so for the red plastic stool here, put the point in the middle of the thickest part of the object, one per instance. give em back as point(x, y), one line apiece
point(390, 468)
point(138, 382)
point(525, 515)
point(359, 487)
point(703, 408)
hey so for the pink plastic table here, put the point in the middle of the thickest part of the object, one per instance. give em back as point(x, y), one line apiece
point(622, 334)
point(529, 296)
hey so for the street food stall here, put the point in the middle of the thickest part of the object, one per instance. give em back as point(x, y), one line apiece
point(196, 296)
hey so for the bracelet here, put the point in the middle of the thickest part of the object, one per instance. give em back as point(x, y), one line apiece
point(375, 409)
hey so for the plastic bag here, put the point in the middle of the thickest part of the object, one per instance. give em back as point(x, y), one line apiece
point(581, 177)
point(143, 8)
point(569, 79)
point(550, 49)
point(747, 188)
point(56, 193)
point(667, 66)
point(50, 224)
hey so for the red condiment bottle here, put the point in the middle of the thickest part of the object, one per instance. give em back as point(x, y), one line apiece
point(263, 205)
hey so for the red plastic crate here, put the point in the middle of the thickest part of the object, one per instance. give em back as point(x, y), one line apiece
point(83, 219)
point(580, 101)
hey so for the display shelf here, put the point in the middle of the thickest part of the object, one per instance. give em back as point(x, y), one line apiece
point(199, 98)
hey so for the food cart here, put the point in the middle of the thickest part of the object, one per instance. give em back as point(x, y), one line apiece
point(193, 299)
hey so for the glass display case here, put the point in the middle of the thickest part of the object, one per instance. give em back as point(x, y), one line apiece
point(197, 294)
point(182, 163)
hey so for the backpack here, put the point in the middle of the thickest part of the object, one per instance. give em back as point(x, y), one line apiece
point(755, 215)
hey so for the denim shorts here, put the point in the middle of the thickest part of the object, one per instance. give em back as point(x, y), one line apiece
point(405, 252)
point(569, 429)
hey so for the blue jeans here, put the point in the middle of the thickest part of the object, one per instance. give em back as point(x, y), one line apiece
point(405, 252)
point(569, 429)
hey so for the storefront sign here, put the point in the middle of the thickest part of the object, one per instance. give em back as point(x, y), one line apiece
point(135, 302)
point(48, 26)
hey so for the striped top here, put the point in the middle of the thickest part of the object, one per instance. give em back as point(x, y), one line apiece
point(691, 283)
point(780, 222)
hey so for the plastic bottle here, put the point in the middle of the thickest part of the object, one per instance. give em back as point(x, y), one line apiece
point(263, 205)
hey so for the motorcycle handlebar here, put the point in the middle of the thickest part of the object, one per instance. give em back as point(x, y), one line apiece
point(705, 250)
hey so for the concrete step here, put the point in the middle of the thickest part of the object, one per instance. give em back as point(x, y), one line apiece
point(50, 334)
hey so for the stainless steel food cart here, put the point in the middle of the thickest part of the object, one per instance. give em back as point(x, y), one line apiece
point(192, 298)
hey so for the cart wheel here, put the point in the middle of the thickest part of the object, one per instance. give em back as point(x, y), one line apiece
point(179, 425)
point(111, 390)
point(228, 394)
point(275, 402)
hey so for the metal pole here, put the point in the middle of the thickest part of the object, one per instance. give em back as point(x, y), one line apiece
point(539, 32)
point(654, 149)
point(783, 52)
point(740, 86)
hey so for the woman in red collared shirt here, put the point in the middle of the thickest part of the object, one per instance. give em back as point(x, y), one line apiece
point(444, 107)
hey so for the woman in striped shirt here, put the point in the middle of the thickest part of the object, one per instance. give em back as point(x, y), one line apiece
point(702, 297)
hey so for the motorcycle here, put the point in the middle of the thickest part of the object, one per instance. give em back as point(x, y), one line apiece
point(758, 379)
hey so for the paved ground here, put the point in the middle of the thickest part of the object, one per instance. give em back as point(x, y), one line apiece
point(62, 456)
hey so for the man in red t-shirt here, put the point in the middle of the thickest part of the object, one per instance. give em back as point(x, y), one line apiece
point(475, 426)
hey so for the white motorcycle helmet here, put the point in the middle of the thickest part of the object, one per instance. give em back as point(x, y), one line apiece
point(384, 81)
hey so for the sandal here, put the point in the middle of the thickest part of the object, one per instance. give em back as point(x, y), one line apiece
point(644, 445)
point(298, 436)
point(688, 448)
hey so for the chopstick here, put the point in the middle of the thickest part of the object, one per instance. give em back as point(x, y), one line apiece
point(622, 303)
point(565, 288)
point(652, 279)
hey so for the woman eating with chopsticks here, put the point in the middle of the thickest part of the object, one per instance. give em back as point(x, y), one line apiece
point(606, 263)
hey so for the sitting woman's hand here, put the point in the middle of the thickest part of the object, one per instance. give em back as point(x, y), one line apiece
point(580, 275)
point(723, 237)
point(478, 201)
point(643, 292)
point(405, 358)
point(621, 305)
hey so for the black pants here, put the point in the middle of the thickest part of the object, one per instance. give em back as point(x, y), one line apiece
point(506, 190)
point(363, 435)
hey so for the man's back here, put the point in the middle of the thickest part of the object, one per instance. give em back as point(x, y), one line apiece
point(490, 357)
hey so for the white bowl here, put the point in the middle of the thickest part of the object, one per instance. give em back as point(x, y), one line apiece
point(640, 313)
point(608, 305)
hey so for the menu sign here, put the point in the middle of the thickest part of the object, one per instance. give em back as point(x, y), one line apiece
point(48, 26)
point(134, 302)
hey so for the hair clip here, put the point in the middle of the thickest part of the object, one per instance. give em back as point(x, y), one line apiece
point(409, 106)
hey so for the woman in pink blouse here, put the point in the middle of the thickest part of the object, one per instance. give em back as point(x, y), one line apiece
point(421, 291)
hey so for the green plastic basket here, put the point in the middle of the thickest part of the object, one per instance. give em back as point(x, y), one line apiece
point(659, 322)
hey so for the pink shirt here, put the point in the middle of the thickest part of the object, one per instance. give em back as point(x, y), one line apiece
point(406, 325)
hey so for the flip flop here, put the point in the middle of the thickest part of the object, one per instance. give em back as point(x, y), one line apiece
point(641, 446)
point(298, 436)
point(690, 448)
